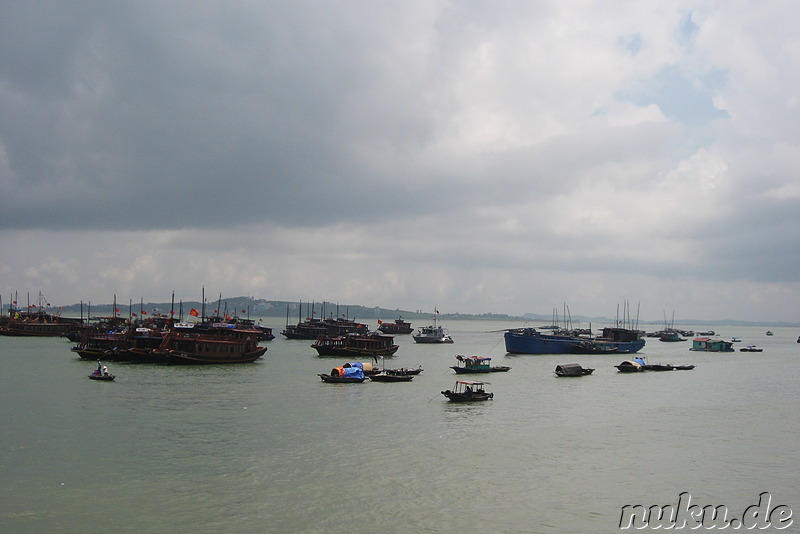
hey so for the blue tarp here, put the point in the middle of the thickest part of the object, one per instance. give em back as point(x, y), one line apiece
point(353, 372)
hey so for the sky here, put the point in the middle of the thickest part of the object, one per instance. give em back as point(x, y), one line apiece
point(474, 157)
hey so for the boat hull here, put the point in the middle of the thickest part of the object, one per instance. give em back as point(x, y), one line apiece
point(340, 379)
point(532, 342)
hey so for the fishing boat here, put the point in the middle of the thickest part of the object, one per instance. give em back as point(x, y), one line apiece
point(344, 375)
point(433, 333)
point(372, 345)
point(466, 391)
point(398, 327)
point(572, 369)
point(477, 364)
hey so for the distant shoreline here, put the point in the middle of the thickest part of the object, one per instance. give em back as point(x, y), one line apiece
point(267, 308)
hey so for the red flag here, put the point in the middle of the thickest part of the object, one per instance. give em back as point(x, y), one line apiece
point(194, 312)
point(243, 311)
point(133, 314)
point(380, 322)
point(144, 312)
point(116, 310)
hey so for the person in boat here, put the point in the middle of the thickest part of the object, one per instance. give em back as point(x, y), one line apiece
point(468, 390)
point(105, 371)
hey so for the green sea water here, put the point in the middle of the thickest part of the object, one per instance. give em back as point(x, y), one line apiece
point(268, 447)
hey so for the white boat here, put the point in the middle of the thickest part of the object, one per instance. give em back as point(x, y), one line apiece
point(433, 333)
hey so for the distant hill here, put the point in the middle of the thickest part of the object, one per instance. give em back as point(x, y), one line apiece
point(243, 306)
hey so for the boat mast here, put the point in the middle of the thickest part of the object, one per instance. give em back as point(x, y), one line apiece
point(172, 310)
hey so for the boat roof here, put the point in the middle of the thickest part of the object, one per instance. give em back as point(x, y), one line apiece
point(471, 382)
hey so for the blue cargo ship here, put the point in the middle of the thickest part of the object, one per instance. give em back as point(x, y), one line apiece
point(613, 340)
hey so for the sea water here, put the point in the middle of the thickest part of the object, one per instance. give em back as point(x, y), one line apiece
point(269, 447)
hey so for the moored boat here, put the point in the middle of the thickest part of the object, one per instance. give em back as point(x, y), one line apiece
point(217, 344)
point(706, 344)
point(398, 327)
point(389, 376)
point(613, 340)
point(572, 369)
point(750, 348)
point(631, 366)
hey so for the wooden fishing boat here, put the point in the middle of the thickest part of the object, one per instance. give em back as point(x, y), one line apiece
point(218, 344)
point(466, 391)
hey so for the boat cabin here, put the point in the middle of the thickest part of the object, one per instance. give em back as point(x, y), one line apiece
point(475, 363)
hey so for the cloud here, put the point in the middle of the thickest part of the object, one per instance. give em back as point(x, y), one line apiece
point(397, 153)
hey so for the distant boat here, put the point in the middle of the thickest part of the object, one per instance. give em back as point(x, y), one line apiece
point(398, 327)
point(769, 332)
point(750, 348)
point(707, 344)
point(370, 345)
point(671, 336)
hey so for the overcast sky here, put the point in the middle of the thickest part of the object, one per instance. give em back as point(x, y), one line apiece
point(503, 156)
